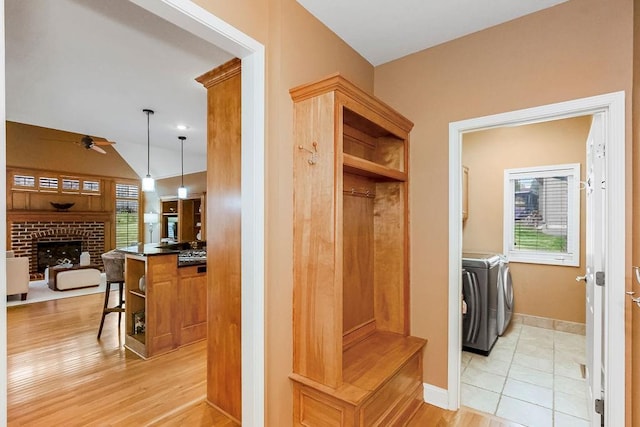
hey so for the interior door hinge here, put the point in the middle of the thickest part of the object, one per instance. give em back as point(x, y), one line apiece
point(599, 408)
point(600, 278)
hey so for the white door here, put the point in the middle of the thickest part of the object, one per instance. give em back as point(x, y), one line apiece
point(595, 263)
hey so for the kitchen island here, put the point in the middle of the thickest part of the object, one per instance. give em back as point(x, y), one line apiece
point(166, 294)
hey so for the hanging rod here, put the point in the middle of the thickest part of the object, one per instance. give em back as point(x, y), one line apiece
point(359, 192)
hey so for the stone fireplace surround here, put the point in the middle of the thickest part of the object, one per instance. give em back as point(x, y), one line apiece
point(25, 236)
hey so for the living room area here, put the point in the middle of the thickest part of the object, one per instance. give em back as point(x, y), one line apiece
point(74, 163)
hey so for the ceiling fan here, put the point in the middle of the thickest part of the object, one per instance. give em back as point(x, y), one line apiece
point(92, 144)
point(87, 141)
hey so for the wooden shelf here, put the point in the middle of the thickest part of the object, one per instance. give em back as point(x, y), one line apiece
point(358, 166)
point(161, 333)
point(139, 337)
point(354, 362)
point(138, 293)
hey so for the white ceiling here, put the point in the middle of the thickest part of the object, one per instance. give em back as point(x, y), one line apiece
point(91, 66)
point(384, 30)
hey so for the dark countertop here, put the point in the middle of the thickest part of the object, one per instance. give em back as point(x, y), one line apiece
point(149, 249)
point(152, 249)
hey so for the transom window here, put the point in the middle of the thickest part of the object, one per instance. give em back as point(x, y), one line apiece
point(25, 181)
point(48, 183)
point(542, 214)
point(70, 184)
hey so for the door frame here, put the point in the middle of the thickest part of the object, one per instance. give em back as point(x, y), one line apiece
point(612, 105)
point(202, 23)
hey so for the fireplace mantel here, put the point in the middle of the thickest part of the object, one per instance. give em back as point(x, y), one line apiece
point(16, 216)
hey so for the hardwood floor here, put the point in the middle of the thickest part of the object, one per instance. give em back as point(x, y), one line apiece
point(432, 416)
point(60, 374)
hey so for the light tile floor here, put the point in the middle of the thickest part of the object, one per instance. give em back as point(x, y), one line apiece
point(532, 377)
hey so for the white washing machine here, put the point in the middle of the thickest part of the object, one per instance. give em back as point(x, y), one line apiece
point(505, 297)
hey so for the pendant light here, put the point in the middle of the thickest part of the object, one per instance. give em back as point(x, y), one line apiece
point(147, 183)
point(182, 190)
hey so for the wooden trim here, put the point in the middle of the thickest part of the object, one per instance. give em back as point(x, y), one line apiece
point(219, 74)
point(37, 172)
point(53, 216)
point(357, 334)
point(335, 82)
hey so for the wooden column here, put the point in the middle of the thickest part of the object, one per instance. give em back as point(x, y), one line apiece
point(223, 237)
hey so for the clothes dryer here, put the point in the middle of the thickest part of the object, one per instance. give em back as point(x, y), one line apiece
point(505, 297)
point(479, 289)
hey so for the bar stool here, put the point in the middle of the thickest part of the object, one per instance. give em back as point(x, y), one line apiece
point(114, 270)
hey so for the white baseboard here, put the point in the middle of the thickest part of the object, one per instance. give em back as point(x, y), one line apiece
point(436, 396)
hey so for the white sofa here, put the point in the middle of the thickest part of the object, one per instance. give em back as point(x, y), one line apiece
point(17, 275)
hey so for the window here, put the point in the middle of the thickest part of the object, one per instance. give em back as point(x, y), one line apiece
point(70, 184)
point(127, 214)
point(91, 187)
point(542, 214)
point(48, 183)
point(24, 181)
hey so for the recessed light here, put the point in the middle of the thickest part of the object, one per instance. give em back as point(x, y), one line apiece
point(182, 127)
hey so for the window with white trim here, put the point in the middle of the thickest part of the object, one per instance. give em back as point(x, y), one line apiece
point(542, 214)
point(127, 214)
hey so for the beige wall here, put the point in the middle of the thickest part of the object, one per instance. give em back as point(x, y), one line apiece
point(576, 49)
point(634, 311)
point(299, 49)
point(539, 290)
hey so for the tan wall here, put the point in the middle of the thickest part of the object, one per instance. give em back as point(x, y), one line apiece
point(36, 147)
point(576, 49)
point(539, 290)
point(196, 184)
point(634, 312)
point(299, 49)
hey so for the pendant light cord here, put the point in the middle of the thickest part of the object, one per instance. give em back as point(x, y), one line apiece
point(182, 138)
point(148, 145)
point(148, 112)
point(182, 162)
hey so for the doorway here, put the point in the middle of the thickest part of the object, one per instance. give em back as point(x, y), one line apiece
point(612, 108)
point(525, 183)
point(190, 17)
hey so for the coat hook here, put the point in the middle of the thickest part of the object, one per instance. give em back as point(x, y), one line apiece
point(314, 154)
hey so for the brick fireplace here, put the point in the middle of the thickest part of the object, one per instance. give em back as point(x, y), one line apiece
point(25, 236)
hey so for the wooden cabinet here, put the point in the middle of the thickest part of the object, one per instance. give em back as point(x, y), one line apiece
point(183, 219)
point(170, 311)
point(169, 219)
point(191, 214)
point(155, 305)
point(354, 362)
point(192, 303)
